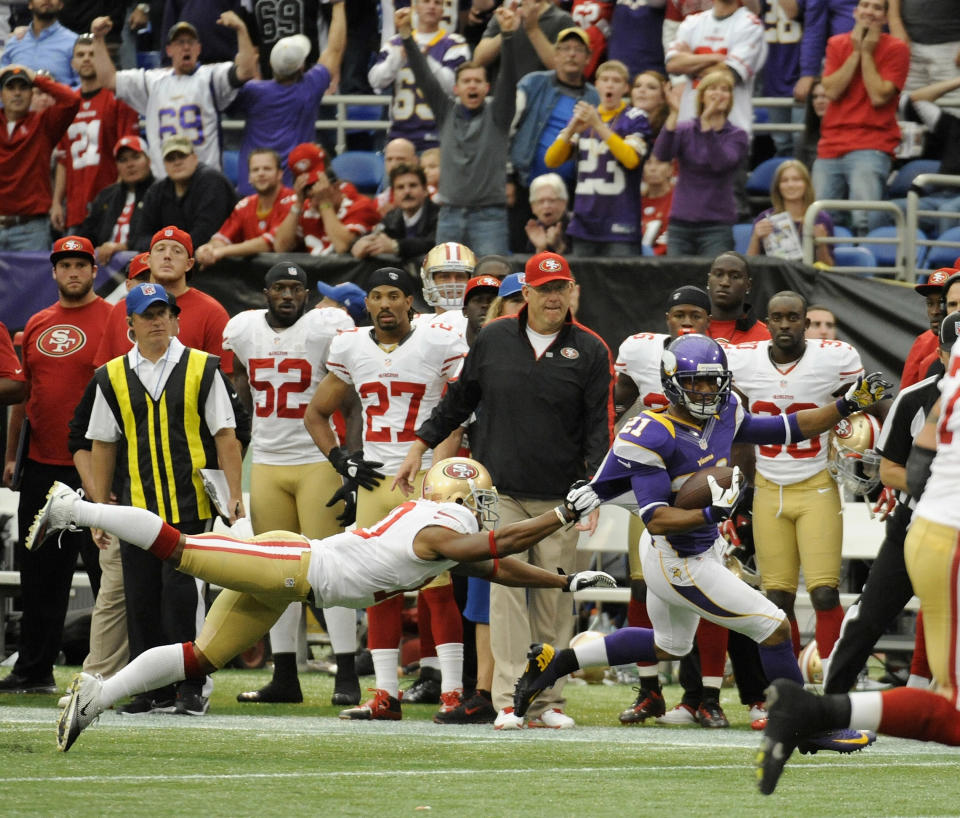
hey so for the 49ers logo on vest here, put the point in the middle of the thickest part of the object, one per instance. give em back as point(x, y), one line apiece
point(61, 340)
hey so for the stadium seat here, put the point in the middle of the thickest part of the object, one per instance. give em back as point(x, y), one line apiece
point(363, 168)
point(231, 166)
point(149, 59)
point(758, 183)
point(840, 230)
point(900, 185)
point(366, 113)
point(853, 257)
point(741, 236)
point(944, 256)
point(886, 254)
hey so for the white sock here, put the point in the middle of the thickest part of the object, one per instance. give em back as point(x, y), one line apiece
point(648, 671)
point(136, 526)
point(286, 630)
point(712, 681)
point(342, 629)
point(385, 668)
point(432, 662)
point(866, 710)
point(450, 658)
point(592, 653)
point(153, 668)
point(920, 682)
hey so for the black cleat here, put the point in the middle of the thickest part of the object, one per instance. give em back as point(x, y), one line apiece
point(478, 709)
point(426, 690)
point(537, 675)
point(649, 705)
point(710, 714)
point(274, 693)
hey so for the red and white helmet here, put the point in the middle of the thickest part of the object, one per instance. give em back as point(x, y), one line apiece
point(451, 258)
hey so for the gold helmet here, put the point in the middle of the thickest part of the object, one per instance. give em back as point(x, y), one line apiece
point(449, 257)
point(811, 666)
point(465, 481)
point(852, 457)
point(591, 675)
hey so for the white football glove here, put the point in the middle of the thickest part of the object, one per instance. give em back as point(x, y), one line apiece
point(581, 499)
point(589, 579)
point(723, 501)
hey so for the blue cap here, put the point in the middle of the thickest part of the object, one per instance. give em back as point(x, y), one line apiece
point(511, 285)
point(140, 298)
point(348, 294)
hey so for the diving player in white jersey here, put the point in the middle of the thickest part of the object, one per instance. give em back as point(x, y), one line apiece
point(416, 541)
point(400, 372)
point(797, 518)
point(280, 356)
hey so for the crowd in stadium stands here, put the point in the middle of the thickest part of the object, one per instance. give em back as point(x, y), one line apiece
point(578, 128)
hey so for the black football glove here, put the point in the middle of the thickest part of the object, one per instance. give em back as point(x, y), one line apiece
point(352, 466)
point(581, 499)
point(348, 493)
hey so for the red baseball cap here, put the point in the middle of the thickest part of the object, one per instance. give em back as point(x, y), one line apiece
point(481, 283)
point(138, 264)
point(73, 247)
point(134, 143)
point(935, 281)
point(306, 156)
point(544, 267)
point(173, 233)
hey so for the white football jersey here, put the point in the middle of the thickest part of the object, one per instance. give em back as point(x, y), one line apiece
point(639, 359)
point(359, 568)
point(773, 389)
point(284, 367)
point(455, 319)
point(939, 500)
point(179, 105)
point(399, 388)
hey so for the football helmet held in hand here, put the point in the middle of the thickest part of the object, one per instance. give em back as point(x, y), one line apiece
point(852, 458)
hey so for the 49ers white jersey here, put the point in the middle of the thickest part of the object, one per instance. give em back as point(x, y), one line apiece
point(639, 359)
point(359, 568)
point(399, 388)
point(455, 319)
point(284, 367)
point(939, 500)
point(775, 389)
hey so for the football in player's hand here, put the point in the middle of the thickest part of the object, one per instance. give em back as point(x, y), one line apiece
point(695, 492)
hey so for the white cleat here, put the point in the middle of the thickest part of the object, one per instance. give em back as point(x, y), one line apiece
point(81, 711)
point(56, 514)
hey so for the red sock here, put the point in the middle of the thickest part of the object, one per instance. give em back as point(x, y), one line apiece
point(166, 541)
point(384, 623)
point(712, 644)
point(920, 714)
point(795, 637)
point(919, 665)
point(191, 667)
point(444, 617)
point(637, 617)
point(828, 630)
point(428, 647)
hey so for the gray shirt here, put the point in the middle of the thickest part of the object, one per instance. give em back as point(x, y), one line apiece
point(931, 21)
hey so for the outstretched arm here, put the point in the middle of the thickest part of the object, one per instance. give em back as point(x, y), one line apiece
point(106, 71)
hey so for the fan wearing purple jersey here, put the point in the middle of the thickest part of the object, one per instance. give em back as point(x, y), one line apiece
point(410, 115)
point(611, 140)
point(651, 458)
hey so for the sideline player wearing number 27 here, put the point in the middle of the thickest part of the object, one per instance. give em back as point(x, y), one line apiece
point(263, 575)
point(652, 456)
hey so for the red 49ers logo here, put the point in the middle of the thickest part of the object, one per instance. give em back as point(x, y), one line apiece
point(843, 429)
point(61, 340)
point(460, 471)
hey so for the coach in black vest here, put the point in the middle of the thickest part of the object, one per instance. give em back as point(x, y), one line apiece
point(161, 413)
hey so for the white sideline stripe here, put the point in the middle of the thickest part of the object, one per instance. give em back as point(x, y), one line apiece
point(419, 773)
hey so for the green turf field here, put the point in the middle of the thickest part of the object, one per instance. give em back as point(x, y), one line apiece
point(302, 760)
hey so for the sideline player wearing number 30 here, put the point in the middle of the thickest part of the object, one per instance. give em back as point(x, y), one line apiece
point(652, 456)
point(415, 542)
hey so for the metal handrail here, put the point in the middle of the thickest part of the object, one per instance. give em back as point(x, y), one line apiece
point(914, 213)
point(905, 265)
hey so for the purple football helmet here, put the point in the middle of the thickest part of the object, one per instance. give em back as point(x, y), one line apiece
point(690, 357)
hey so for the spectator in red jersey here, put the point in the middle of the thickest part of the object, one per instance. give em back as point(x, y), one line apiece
point(58, 347)
point(334, 218)
point(928, 341)
point(202, 318)
point(107, 223)
point(249, 228)
point(655, 200)
point(85, 159)
point(729, 284)
point(27, 140)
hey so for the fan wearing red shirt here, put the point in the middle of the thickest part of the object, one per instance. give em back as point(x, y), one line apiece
point(729, 284)
point(85, 159)
point(202, 318)
point(336, 215)
point(249, 228)
point(927, 342)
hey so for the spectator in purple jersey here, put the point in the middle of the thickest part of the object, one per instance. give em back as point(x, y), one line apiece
point(649, 94)
point(814, 109)
point(782, 68)
point(708, 151)
point(280, 113)
point(611, 141)
point(636, 35)
point(547, 230)
point(791, 191)
point(275, 21)
point(822, 19)
point(410, 116)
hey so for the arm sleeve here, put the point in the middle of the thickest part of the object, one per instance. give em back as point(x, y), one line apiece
point(57, 118)
point(558, 153)
point(384, 71)
point(652, 489)
point(665, 148)
point(218, 408)
point(428, 85)
point(748, 51)
point(458, 402)
point(213, 198)
point(598, 409)
point(10, 366)
point(623, 152)
point(814, 37)
point(77, 439)
point(505, 94)
point(103, 425)
point(764, 429)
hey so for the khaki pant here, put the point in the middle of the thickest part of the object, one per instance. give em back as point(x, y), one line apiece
point(519, 616)
point(108, 625)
